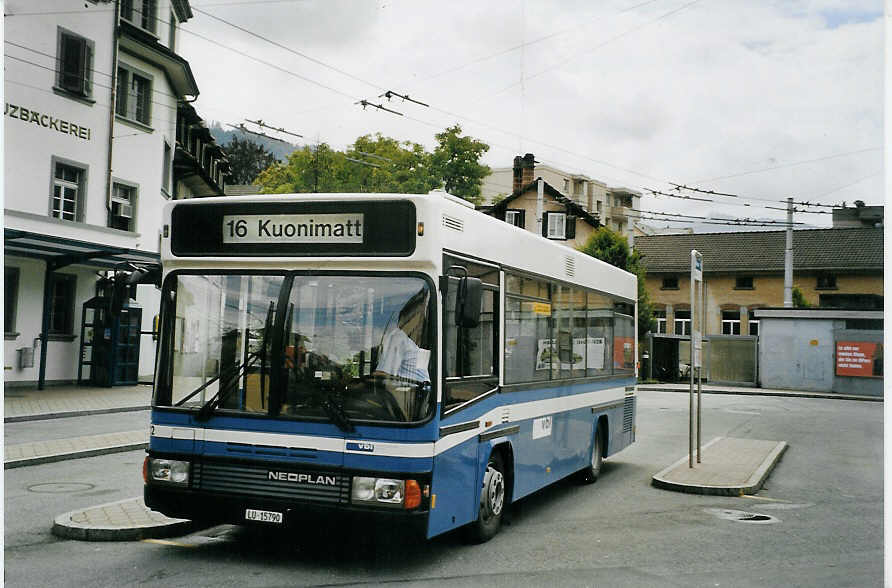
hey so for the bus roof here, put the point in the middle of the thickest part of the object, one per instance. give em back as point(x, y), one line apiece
point(449, 224)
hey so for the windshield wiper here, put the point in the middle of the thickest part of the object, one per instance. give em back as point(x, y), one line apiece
point(231, 383)
point(333, 407)
point(225, 389)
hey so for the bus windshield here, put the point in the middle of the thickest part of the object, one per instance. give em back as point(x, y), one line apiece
point(341, 348)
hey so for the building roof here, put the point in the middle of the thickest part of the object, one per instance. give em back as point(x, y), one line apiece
point(574, 208)
point(841, 250)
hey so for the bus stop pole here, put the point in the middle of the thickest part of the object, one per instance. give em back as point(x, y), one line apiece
point(700, 367)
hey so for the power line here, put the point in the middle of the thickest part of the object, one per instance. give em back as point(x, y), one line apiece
point(261, 124)
point(289, 49)
point(791, 164)
point(390, 93)
point(366, 103)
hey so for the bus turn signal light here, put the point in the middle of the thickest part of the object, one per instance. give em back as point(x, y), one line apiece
point(413, 495)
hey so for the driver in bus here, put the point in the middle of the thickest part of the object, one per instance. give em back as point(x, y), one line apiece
point(401, 355)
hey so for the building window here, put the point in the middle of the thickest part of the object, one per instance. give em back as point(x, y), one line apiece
point(730, 322)
point(754, 327)
point(63, 288)
point(75, 64)
point(743, 283)
point(555, 225)
point(670, 283)
point(165, 170)
point(134, 96)
point(599, 205)
point(826, 282)
point(140, 12)
point(68, 190)
point(660, 319)
point(566, 186)
point(682, 322)
point(123, 207)
point(515, 217)
point(10, 298)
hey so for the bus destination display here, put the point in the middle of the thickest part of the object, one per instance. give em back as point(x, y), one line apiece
point(296, 228)
point(347, 228)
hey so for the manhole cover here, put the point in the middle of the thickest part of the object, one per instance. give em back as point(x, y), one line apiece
point(742, 516)
point(60, 487)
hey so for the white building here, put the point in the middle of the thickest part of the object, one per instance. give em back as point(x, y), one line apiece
point(97, 138)
point(610, 204)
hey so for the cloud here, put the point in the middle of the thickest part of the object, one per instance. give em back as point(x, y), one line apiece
point(712, 90)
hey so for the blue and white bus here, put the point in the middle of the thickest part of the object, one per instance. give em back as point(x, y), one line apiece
point(388, 355)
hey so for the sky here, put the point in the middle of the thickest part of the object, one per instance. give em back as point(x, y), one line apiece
point(762, 99)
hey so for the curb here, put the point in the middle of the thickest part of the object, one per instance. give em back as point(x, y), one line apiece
point(42, 416)
point(30, 461)
point(762, 392)
point(752, 485)
point(65, 528)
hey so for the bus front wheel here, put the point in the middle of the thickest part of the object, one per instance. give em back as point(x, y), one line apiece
point(492, 503)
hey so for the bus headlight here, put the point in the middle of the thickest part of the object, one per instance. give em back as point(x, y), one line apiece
point(169, 470)
point(386, 491)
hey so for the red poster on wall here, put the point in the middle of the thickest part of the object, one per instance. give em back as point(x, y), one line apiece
point(859, 358)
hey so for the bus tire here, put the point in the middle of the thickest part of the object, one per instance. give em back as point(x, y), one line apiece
point(493, 496)
point(590, 474)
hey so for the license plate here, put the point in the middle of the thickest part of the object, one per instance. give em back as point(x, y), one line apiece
point(263, 516)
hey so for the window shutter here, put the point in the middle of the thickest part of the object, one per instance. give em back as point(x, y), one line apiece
point(88, 69)
point(521, 221)
point(545, 224)
point(570, 231)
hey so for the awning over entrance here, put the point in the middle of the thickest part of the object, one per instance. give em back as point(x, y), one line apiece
point(59, 252)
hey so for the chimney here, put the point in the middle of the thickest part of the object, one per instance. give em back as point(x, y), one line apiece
point(527, 169)
point(517, 184)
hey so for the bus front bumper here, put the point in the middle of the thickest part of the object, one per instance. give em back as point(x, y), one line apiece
point(214, 508)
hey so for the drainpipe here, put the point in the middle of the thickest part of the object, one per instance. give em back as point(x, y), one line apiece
point(540, 203)
point(113, 103)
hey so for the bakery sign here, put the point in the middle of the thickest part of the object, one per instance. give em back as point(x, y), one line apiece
point(47, 121)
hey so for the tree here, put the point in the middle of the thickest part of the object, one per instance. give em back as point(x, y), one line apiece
point(374, 163)
point(799, 300)
point(246, 160)
point(613, 248)
point(456, 160)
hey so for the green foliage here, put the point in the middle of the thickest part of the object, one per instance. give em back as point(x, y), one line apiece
point(456, 160)
point(799, 300)
point(246, 159)
point(375, 163)
point(613, 248)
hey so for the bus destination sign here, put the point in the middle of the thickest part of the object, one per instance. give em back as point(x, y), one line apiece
point(293, 228)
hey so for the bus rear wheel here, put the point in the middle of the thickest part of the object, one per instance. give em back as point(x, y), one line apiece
point(590, 474)
point(492, 503)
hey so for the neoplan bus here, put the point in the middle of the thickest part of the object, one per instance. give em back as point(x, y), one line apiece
point(389, 355)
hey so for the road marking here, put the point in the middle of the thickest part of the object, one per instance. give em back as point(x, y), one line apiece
point(167, 542)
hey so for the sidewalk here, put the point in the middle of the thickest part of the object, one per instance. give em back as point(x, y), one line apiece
point(26, 404)
point(753, 391)
point(728, 467)
point(125, 520)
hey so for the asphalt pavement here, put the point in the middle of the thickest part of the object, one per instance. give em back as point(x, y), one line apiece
point(727, 466)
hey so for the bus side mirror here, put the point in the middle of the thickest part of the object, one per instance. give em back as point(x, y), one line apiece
point(467, 302)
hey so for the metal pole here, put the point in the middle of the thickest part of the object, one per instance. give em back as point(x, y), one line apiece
point(691, 373)
point(700, 368)
point(788, 258)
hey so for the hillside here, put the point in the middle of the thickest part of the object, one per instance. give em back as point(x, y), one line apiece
point(278, 148)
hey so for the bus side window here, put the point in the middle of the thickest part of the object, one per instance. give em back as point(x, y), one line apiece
point(470, 354)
